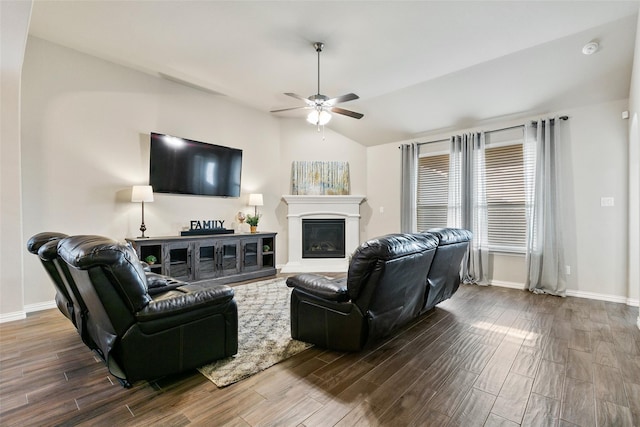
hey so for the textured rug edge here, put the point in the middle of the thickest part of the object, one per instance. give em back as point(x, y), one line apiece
point(221, 383)
point(264, 334)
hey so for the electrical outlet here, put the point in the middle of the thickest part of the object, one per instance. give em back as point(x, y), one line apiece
point(567, 270)
point(381, 209)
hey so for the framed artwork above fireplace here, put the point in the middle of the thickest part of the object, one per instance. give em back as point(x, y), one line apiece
point(319, 178)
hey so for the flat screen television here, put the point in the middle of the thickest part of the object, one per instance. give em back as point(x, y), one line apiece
point(182, 166)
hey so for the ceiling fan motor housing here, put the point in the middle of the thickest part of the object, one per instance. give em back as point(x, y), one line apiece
point(318, 98)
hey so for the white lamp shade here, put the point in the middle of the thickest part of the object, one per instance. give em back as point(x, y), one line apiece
point(319, 117)
point(255, 199)
point(142, 193)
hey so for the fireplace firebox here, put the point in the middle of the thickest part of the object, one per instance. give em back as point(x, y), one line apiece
point(323, 238)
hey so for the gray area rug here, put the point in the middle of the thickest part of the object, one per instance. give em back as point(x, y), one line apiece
point(264, 333)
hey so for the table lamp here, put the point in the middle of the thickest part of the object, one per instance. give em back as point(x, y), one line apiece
point(142, 193)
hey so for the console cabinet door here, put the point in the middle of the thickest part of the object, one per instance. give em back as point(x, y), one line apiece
point(207, 265)
point(215, 258)
point(178, 261)
point(250, 254)
point(228, 257)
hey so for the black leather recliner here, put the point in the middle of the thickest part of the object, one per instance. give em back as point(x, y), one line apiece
point(444, 275)
point(49, 257)
point(146, 325)
point(384, 289)
point(390, 281)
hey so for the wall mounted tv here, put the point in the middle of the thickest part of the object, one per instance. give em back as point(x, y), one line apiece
point(182, 166)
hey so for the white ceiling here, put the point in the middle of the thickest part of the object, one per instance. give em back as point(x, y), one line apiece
point(418, 66)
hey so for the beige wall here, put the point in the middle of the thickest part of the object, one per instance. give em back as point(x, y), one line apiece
point(595, 167)
point(597, 249)
point(383, 182)
point(14, 23)
point(85, 143)
point(85, 131)
point(301, 141)
point(634, 175)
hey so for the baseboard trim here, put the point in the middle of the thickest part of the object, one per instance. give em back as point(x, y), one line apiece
point(10, 317)
point(30, 308)
point(603, 297)
point(510, 285)
point(577, 294)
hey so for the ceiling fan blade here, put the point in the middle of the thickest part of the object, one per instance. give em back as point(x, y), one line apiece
point(346, 112)
point(292, 108)
point(343, 98)
point(301, 98)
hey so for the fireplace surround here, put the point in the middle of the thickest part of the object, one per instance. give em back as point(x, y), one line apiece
point(321, 207)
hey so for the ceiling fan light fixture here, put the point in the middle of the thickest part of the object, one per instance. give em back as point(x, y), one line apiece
point(319, 117)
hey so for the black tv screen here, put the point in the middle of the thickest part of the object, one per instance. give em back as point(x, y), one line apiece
point(182, 166)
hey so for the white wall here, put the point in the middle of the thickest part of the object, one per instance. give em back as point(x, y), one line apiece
point(14, 23)
point(85, 143)
point(596, 166)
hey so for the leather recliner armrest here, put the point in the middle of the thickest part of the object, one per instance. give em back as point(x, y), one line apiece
point(329, 289)
point(184, 299)
point(158, 283)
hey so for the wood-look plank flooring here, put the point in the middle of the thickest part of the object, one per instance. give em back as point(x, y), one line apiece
point(487, 357)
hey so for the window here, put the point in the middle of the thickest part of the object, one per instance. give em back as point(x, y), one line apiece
point(506, 216)
point(433, 185)
point(505, 195)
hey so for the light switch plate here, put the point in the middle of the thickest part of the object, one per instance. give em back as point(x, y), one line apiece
point(606, 201)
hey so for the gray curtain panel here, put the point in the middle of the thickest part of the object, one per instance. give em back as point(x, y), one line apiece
point(545, 245)
point(468, 203)
point(408, 191)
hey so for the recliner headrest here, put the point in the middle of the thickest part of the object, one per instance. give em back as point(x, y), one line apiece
point(384, 248)
point(84, 252)
point(120, 260)
point(37, 240)
point(49, 251)
point(448, 236)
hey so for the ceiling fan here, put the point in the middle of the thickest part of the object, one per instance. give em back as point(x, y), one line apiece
point(320, 104)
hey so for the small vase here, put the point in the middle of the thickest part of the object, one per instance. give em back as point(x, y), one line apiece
point(254, 228)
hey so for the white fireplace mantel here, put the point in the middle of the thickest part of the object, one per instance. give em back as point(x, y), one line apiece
point(321, 207)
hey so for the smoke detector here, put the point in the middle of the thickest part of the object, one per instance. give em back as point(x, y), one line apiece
point(590, 48)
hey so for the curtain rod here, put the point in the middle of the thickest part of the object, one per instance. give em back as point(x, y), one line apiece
point(533, 123)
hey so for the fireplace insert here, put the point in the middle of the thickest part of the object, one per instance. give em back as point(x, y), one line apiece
point(323, 238)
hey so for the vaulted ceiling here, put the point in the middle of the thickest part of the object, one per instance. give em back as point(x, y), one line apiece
point(418, 66)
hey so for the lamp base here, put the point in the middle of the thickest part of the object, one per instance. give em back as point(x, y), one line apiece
point(143, 228)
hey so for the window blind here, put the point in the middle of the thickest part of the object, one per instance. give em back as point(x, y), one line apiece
point(506, 214)
point(505, 194)
point(433, 185)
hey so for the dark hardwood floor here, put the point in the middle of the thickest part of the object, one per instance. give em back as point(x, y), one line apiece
point(487, 357)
